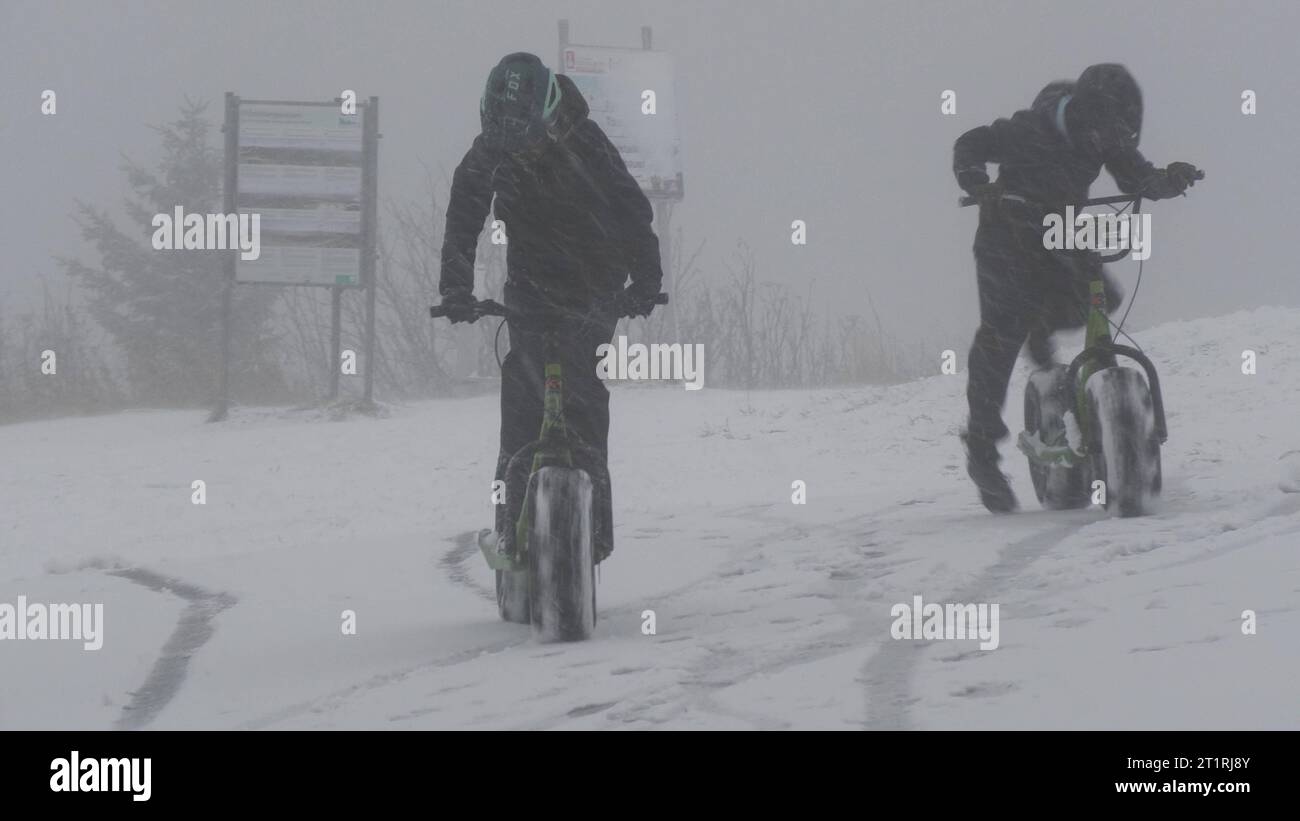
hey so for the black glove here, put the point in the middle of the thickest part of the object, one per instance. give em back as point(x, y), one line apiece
point(970, 179)
point(1172, 181)
point(635, 301)
point(459, 306)
point(1183, 175)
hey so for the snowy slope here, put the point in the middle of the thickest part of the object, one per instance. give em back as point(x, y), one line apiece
point(769, 614)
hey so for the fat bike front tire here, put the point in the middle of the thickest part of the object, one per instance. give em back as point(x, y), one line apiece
point(1125, 447)
point(561, 564)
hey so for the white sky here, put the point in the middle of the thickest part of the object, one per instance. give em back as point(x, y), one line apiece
point(823, 111)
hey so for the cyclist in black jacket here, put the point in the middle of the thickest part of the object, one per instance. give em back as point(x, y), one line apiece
point(577, 228)
point(1047, 156)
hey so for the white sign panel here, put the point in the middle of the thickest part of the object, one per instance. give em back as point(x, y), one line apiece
point(615, 82)
point(324, 219)
point(275, 125)
point(300, 168)
point(319, 181)
point(305, 265)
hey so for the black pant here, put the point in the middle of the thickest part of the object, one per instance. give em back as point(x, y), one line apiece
point(1026, 293)
point(586, 406)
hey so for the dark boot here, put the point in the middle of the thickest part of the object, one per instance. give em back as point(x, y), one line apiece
point(982, 466)
point(604, 535)
point(1042, 350)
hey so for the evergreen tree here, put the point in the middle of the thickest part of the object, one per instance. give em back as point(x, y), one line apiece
point(163, 308)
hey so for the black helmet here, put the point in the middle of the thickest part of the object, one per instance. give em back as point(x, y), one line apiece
point(1051, 93)
point(1110, 102)
point(519, 103)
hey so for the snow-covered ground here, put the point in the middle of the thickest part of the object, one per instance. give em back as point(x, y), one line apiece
point(769, 614)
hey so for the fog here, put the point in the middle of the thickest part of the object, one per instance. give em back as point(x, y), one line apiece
point(266, 542)
point(827, 112)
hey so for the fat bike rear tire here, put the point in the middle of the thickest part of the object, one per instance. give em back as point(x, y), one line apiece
point(561, 564)
point(1048, 396)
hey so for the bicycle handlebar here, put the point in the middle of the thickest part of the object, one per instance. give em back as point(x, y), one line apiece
point(992, 191)
point(490, 307)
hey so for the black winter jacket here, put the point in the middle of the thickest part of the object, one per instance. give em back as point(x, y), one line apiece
point(577, 224)
point(1043, 156)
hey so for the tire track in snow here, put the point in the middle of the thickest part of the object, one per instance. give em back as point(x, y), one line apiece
point(1284, 509)
point(634, 702)
point(193, 629)
point(1252, 536)
point(521, 638)
point(732, 655)
point(890, 670)
point(715, 659)
point(454, 565)
point(464, 547)
point(889, 674)
point(331, 700)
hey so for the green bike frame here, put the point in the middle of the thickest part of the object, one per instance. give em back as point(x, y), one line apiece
point(1099, 352)
point(1097, 344)
point(553, 445)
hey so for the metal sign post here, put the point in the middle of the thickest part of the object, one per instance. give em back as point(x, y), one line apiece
point(370, 243)
point(663, 222)
point(336, 339)
point(230, 130)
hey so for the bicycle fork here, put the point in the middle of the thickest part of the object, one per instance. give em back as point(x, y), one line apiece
point(553, 449)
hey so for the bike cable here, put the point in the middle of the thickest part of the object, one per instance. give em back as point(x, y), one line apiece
point(1119, 329)
point(496, 344)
